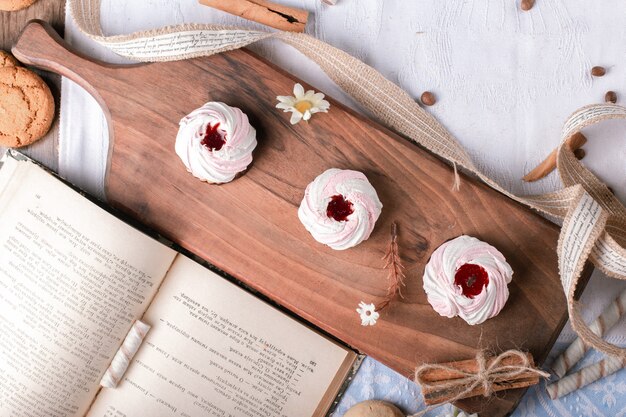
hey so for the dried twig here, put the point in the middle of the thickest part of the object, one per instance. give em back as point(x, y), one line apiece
point(396, 270)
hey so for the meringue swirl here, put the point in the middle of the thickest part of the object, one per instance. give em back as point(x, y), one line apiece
point(354, 189)
point(218, 164)
point(448, 299)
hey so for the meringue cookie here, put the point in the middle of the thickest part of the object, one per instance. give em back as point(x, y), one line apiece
point(215, 142)
point(340, 208)
point(468, 278)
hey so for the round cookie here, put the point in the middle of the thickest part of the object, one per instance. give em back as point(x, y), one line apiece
point(7, 60)
point(12, 5)
point(26, 107)
point(374, 409)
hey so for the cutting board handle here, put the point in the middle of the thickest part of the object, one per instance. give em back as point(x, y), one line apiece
point(41, 46)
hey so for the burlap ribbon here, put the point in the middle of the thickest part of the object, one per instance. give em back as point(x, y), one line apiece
point(594, 221)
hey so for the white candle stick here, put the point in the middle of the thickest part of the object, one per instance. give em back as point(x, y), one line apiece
point(585, 376)
point(575, 352)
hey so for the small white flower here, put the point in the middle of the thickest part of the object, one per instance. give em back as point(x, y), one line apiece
point(368, 314)
point(302, 105)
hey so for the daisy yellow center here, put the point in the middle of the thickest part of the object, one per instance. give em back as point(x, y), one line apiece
point(303, 105)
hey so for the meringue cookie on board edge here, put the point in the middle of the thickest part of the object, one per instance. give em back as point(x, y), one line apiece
point(215, 142)
point(340, 208)
point(469, 278)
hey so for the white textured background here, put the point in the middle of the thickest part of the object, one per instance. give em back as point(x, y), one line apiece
point(506, 80)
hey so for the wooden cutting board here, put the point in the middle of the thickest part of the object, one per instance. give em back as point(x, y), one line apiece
point(250, 227)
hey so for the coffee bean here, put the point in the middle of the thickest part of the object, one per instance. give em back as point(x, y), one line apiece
point(579, 153)
point(428, 98)
point(598, 71)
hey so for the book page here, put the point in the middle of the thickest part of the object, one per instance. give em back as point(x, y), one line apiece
point(216, 350)
point(72, 280)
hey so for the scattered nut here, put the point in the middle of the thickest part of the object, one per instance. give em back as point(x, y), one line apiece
point(428, 98)
point(610, 97)
point(526, 5)
point(579, 153)
point(598, 71)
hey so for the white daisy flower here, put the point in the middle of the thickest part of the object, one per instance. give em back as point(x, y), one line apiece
point(368, 314)
point(302, 105)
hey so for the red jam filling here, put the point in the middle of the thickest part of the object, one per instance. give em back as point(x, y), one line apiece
point(472, 279)
point(213, 138)
point(339, 208)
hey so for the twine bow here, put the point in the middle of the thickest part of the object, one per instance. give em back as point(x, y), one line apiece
point(488, 373)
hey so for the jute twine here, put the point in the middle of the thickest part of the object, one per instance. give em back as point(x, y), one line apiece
point(594, 221)
point(485, 376)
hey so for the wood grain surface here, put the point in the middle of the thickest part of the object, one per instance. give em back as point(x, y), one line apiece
point(11, 24)
point(250, 227)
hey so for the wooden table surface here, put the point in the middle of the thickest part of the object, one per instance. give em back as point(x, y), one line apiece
point(11, 24)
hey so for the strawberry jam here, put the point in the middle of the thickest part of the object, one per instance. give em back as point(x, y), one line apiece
point(472, 279)
point(213, 138)
point(339, 208)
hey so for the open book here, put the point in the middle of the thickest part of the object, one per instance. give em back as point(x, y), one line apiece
point(73, 278)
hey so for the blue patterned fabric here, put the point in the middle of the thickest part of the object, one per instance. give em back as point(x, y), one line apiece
point(605, 398)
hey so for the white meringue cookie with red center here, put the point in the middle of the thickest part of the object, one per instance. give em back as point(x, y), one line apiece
point(222, 163)
point(355, 190)
point(472, 304)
